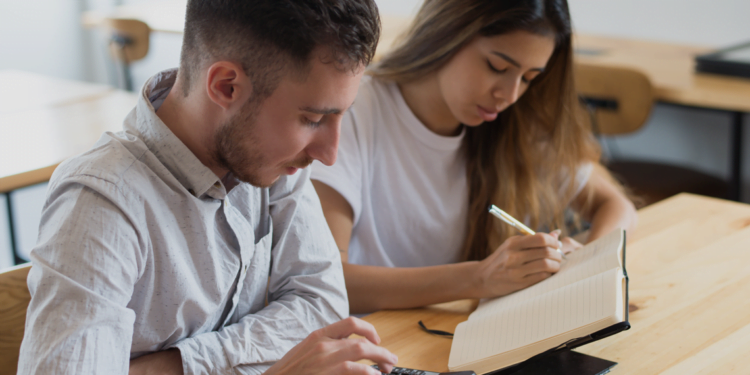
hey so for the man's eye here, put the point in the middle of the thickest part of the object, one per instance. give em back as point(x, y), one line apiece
point(312, 123)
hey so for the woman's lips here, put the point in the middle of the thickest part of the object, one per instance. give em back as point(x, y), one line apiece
point(486, 115)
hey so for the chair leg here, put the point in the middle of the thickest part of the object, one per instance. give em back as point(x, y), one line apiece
point(735, 186)
point(127, 77)
point(11, 228)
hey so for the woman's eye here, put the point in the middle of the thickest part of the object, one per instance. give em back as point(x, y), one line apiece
point(528, 79)
point(496, 70)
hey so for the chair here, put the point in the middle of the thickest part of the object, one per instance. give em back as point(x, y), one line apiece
point(619, 101)
point(14, 300)
point(128, 42)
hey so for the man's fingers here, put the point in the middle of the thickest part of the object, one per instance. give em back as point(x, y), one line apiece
point(351, 325)
point(358, 349)
point(356, 369)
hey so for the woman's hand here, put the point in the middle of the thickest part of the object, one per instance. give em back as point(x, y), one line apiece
point(570, 245)
point(519, 262)
point(330, 351)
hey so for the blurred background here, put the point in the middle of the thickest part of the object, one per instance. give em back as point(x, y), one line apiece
point(47, 37)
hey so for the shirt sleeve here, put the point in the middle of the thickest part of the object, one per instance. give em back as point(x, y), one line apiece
point(346, 174)
point(580, 178)
point(83, 271)
point(306, 290)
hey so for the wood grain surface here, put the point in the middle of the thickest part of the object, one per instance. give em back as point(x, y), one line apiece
point(14, 299)
point(689, 268)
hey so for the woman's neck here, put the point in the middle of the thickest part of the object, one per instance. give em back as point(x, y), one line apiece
point(425, 100)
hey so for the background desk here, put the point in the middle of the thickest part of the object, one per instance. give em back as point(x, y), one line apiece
point(670, 67)
point(45, 120)
point(689, 268)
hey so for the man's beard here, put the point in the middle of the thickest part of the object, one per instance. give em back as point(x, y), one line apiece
point(236, 149)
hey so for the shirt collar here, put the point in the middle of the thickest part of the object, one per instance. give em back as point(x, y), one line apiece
point(171, 152)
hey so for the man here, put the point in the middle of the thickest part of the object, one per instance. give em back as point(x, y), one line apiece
point(191, 242)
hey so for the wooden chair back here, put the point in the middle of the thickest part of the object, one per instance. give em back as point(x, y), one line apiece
point(624, 97)
point(14, 300)
point(129, 39)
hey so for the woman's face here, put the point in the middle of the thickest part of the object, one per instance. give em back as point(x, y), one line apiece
point(491, 73)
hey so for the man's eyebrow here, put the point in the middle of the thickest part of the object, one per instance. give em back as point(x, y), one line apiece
point(513, 62)
point(322, 111)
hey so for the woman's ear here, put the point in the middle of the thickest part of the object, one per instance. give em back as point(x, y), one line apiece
point(227, 84)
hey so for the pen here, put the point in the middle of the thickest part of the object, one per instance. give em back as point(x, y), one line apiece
point(510, 220)
point(502, 215)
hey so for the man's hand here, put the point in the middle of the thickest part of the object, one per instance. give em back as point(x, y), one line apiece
point(330, 351)
point(519, 262)
point(168, 362)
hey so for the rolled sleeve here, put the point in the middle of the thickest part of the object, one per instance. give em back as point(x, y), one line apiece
point(84, 268)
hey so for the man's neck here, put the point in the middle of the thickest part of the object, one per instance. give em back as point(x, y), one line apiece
point(186, 118)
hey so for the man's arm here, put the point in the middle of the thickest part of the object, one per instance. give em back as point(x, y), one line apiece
point(84, 267)
point(306, 289)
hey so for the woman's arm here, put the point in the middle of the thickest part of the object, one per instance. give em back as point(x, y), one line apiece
point(521, 261)
point(609, 207)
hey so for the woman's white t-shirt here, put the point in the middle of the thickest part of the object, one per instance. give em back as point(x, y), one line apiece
point(406, 185)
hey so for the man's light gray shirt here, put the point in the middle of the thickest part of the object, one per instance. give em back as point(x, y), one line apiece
point(141, 248)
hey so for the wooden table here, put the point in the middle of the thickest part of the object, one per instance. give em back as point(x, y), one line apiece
point(689, 268)
point(44, 121)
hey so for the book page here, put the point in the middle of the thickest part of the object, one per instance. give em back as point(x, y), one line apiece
point(599, 256)
point(585, 302)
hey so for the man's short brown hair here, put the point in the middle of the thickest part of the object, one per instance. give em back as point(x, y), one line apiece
point(270, 37)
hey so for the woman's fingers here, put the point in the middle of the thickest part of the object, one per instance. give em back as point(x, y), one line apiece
point(570, 245)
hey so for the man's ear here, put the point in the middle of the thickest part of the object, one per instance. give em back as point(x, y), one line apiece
point(227, 84)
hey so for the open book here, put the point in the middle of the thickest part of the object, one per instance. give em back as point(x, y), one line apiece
point(584, 301)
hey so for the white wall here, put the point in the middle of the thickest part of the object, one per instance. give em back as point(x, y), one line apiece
point(45, 36)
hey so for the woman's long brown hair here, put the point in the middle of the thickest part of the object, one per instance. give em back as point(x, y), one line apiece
point(526, 160)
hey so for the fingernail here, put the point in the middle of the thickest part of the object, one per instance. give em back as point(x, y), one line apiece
point(559, 244)
point(394, 358)
point(558, 231)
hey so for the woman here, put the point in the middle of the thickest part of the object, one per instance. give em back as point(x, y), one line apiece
point(476, 106)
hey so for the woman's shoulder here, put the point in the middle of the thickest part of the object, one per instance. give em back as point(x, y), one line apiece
point(375, 97)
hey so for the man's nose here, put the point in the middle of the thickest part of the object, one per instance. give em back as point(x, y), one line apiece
point(325, 145)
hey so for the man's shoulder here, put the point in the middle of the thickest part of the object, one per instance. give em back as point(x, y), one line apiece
point(109, 161)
